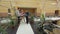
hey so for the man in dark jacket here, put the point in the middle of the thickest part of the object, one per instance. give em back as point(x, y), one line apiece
point(27, 15)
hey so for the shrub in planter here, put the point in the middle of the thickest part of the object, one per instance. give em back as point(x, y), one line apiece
point(12, 24)
point(2, 31)
point(32, 19)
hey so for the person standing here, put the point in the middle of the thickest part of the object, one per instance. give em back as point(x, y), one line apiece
point(22, 13)
point(18, 14)
point(27, 15)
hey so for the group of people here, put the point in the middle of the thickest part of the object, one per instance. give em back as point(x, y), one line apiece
point(20, 13)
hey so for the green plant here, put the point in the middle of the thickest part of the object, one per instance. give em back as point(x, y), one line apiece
point(32, 17)
point(2, 31)
point(12, 21)
point(3, 28)
point(44, 25)
point(42, 21)
point(42, 18)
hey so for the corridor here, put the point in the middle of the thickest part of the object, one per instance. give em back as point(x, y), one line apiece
point(24, 28)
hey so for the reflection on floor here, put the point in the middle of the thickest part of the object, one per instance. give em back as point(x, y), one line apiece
point(25, 29)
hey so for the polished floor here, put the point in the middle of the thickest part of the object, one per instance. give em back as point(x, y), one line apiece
point(25, 29)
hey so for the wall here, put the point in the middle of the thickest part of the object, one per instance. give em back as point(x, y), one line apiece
point(18, 3)
point(41, 5)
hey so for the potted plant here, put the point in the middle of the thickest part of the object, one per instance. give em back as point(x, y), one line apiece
point(11, 22)
point(32, 19)
point(47, 28)
point(42, 20)
point(2, 30)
